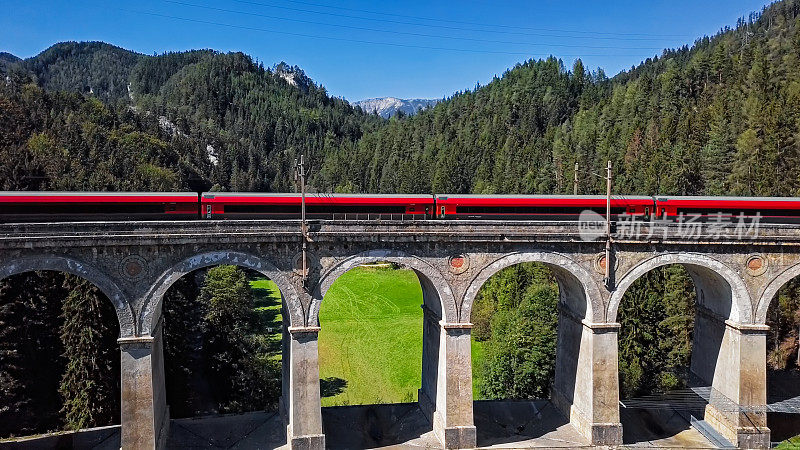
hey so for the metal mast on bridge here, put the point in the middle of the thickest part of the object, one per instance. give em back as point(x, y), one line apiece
point(300, 176)
point(608, 253)
point(607, 277)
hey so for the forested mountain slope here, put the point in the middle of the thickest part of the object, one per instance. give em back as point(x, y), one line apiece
point(217, 120)
point(93, 68)
point(7, 59)
point(719, 117)
point(255, 119)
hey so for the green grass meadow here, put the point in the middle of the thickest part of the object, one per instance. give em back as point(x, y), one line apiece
point(370, 343)
point(792, 443)
point(477, 366)
point(267, 300)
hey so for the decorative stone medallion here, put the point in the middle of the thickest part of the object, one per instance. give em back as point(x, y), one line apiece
point(297, 262)
point(458, 264)
point(133, 267)
point(600, 263)
point(755, 265)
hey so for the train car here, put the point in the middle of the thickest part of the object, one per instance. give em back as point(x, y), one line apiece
point(40, 206)
point(539, 207)
point(729, 209)
point(250, 205)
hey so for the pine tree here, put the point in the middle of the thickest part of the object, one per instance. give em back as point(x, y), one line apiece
point(183, 345)
point(30, 353)
point(90, 383)
point(516, 315)
point(241, 379)
point(520, 355)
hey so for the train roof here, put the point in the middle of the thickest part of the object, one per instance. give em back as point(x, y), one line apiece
point(94, 194)
point(545, 196)
point(313, 195)
point(666, 198)
point(96, 197)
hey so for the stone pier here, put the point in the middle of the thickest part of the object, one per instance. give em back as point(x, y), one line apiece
point(304, 430)
point(730, 357)
point(446, 393)
point(586, 386)
point(144, 411)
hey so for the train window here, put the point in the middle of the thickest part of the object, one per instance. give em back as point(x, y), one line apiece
point(647, 211)
point(443, 210)
point(664, 212)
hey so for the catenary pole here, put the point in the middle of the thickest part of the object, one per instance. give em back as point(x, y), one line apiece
point(300, 174)
point(608, 225)
point(575, 180)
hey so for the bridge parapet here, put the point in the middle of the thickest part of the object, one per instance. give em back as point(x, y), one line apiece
point(95, 233)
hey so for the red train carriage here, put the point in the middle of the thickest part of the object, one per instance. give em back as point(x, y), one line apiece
point(729, 209)
point(538, 207)
point(41, 206)
point(248, 205)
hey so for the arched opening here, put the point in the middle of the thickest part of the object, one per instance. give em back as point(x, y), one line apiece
point(783, 364)
point(527, 312)
point(514, 336)
point(657, 321)
point(680, 351)
point(59, 358)
point(370, 341)
point(379, 315)
point(223, 328)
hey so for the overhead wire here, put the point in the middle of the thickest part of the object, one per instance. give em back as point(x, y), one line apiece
point(360, 41)
point(440, 20)
point(435, 36)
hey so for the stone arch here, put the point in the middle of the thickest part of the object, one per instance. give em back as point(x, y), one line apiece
point(712, 280)
point(771, 291)
point(57, 263)
point(436, 292)
point(576, 289)
point(151, 310)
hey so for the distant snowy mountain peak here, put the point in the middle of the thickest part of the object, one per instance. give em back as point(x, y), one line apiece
point(389, 106)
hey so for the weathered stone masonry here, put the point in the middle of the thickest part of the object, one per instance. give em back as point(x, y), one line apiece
point(135, 263)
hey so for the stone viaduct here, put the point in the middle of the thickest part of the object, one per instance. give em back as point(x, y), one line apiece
point(736, 277)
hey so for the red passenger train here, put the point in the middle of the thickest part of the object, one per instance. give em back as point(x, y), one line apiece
point(538, 207)
point(104, 206)
point(46, 206)
point(237, 205)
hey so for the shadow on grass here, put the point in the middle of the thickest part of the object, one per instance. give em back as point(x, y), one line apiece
point(374, 426)
point(783, 398)
point(504, 422)
point(332, 386)
point(267, 306)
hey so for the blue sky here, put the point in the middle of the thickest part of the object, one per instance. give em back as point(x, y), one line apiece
point(359, 49)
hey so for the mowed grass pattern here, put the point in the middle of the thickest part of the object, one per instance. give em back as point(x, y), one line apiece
point(267, 303)
point(370, 344)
